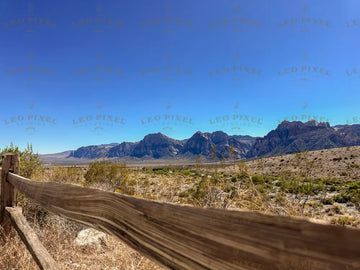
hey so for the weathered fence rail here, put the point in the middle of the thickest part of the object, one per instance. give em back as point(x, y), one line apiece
point(184, 237)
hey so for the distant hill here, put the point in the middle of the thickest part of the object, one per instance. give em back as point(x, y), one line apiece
point(287, 138)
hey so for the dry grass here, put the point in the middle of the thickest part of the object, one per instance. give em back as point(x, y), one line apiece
point(13, 252)
point(58, 237)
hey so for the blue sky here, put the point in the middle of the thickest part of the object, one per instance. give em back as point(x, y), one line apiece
point(76, 73)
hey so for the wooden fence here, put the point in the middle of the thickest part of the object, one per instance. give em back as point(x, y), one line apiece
point(183, 237)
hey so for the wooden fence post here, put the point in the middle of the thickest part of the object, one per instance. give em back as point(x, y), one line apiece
point(11, 161)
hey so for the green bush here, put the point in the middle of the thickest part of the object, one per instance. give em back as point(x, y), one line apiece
point(160, 171)
point(201, 188)
point(353, 186)
point(327, 201)
point(314, 204)
point(186, 172)
point(342, 198)
point(30, 166)
point(29, 161)
point(257, 179)
point(113, 173)
point(330, 181)
point(345, 220)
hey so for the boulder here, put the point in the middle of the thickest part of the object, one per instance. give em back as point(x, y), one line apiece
point(90, 237)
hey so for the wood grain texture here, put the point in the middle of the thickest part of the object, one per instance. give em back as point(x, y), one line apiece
point(41, 256)
point(184, 237)
point(11, 161)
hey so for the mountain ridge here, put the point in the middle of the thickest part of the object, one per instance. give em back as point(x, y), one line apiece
point(286, 138)
point(158, 145)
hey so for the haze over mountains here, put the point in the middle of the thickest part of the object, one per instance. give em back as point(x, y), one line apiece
point(287, 138)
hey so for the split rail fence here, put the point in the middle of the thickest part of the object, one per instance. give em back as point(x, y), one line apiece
point(181, 237)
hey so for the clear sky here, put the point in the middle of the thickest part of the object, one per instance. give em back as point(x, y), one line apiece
point(76, 73)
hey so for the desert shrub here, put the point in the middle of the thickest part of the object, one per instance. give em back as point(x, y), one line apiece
point(30, 167)
point(30, 163)
point(302, 186)
point(270, 178)
point(314, 204)
point(257, 179)
point(201, 188)
point(186, 172)
point(186, 193)
point(337, 209)
point(199, 191)
point(342, 198)
point(160, 171)
point(243, 168)
point(289, 186)
point(350, 204)
point(330, 181)
point(327, 200)
point(107, 172)
point(66, 175)
point(318, 187)
point(353, 186)
point(346, 220)
point(210, 191)
point(240, 177)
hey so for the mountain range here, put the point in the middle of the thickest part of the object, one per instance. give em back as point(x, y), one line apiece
point(157, 145)
point(287, 138)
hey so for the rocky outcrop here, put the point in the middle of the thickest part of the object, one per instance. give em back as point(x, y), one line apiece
point(91, 152)
point(122, 150)
point(292, 137)
point(157, 146)
point(201, 143)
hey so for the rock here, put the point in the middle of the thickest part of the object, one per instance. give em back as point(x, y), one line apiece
point(90, 237)
point(201, 143)
point(157, 146)
point(293, 137)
